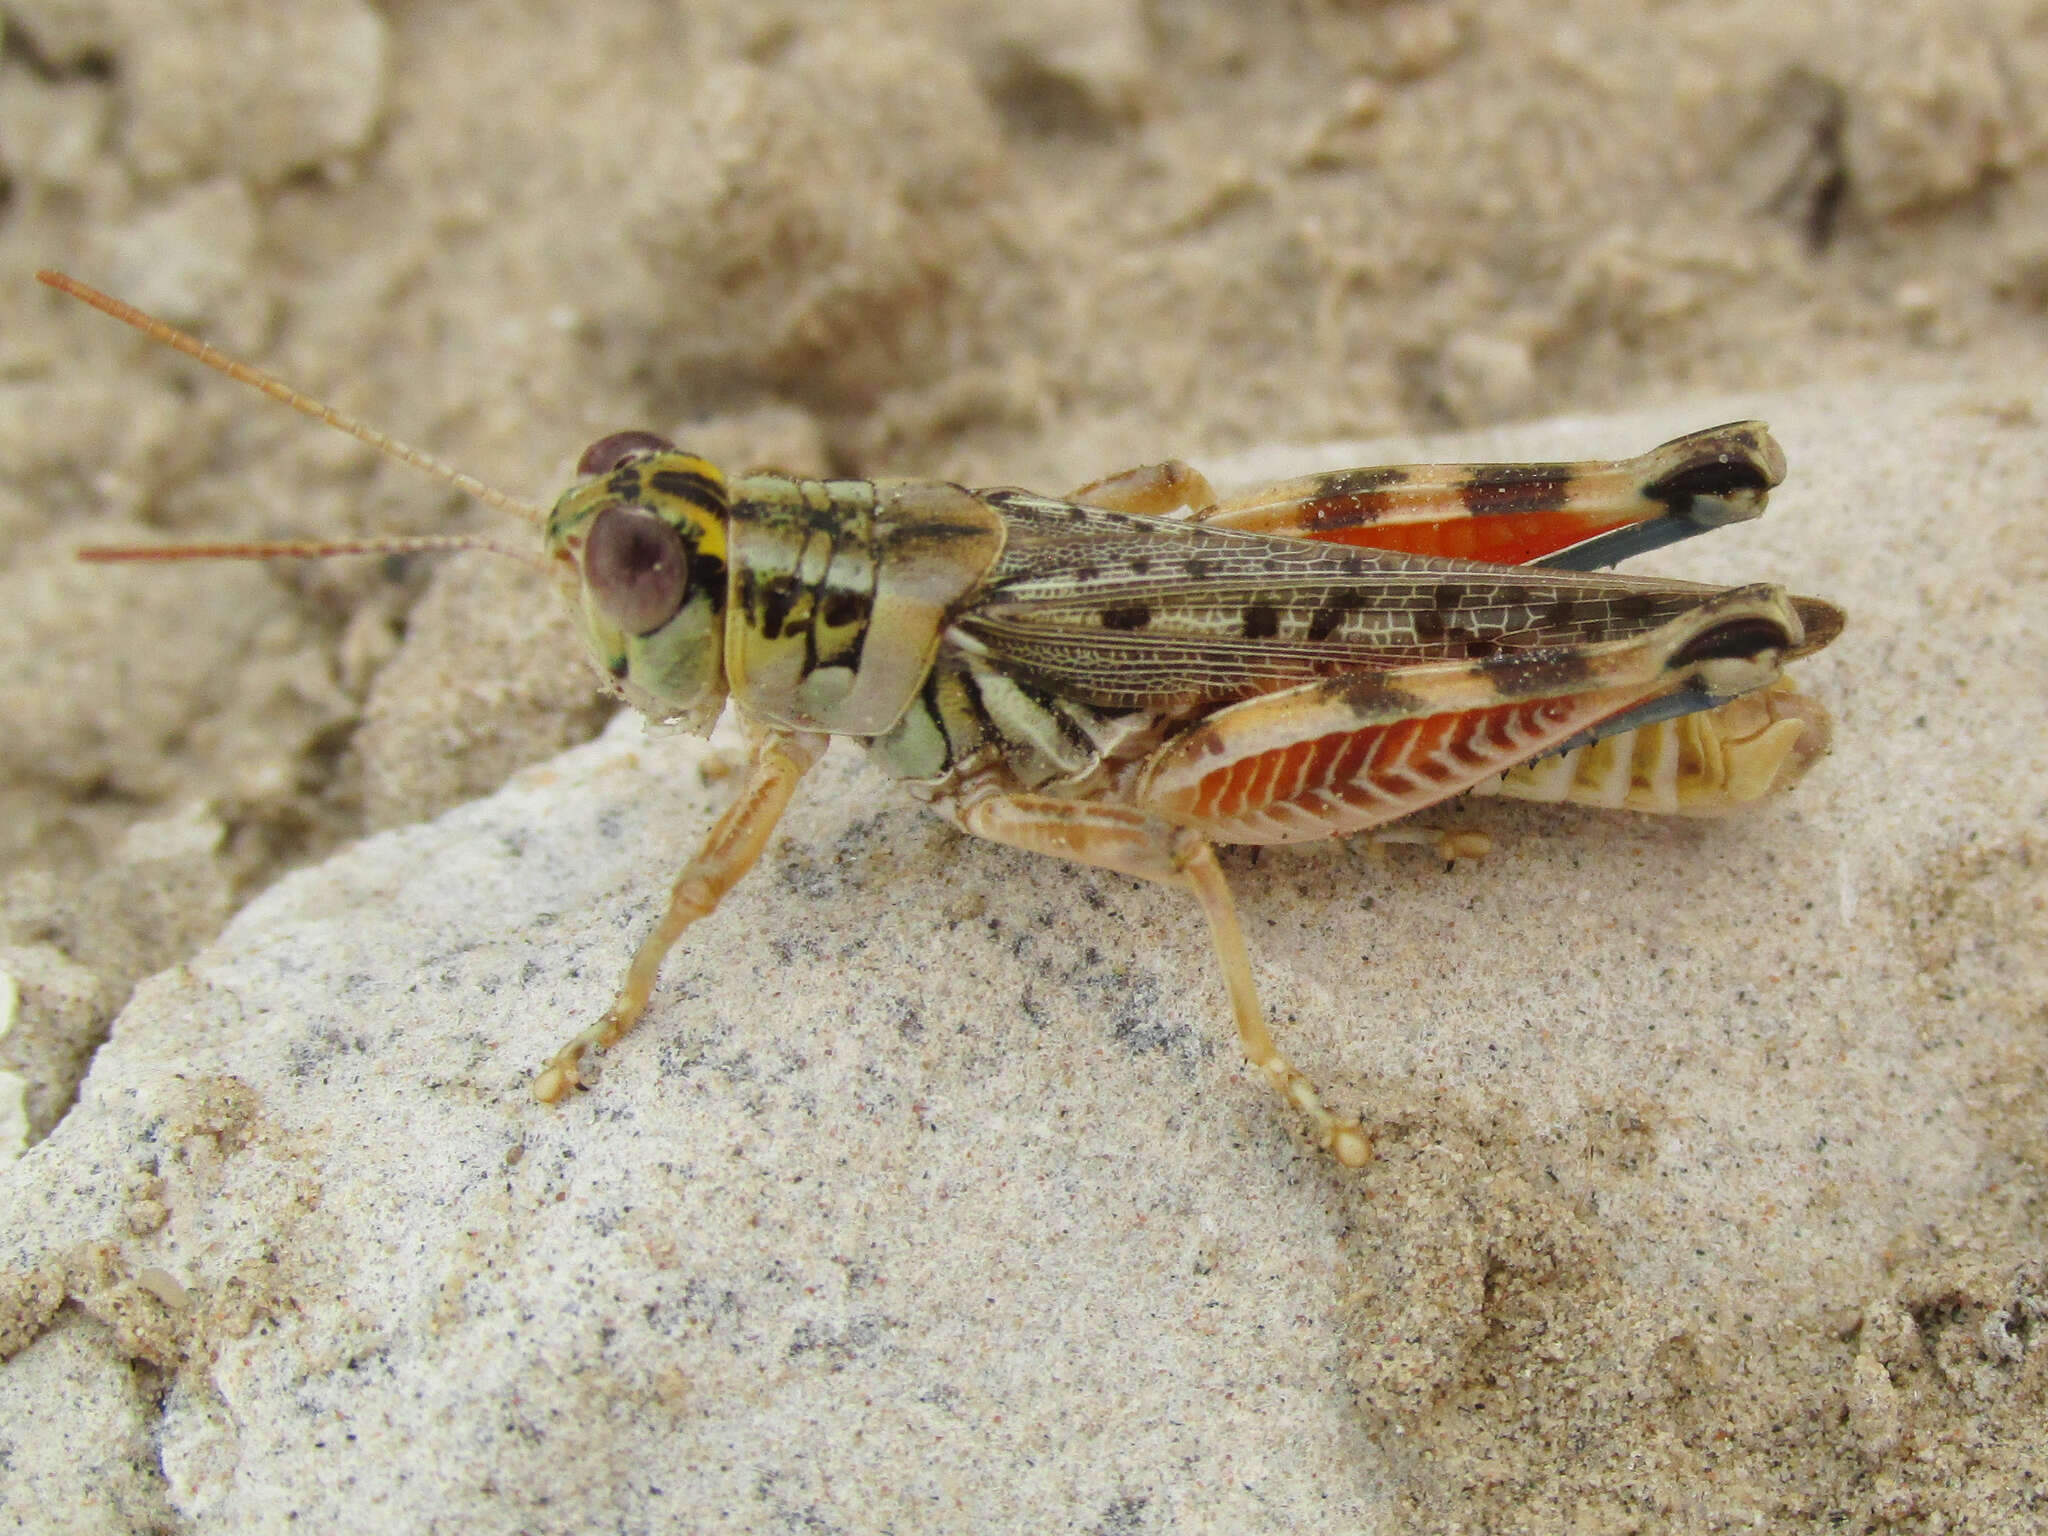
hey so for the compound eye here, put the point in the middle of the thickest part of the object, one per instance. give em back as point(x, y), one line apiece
point(608, 453)
point(636, 569)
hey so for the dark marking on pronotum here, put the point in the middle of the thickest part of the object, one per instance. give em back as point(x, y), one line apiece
point(1511, 488)
point(1127, 616)
point(778, 596)
point(911, 537)
point(843, 607)
point(1261, 621)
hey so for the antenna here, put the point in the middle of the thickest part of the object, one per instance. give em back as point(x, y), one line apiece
point(305, 405)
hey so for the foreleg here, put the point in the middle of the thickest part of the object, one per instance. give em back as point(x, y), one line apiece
point(779, 759)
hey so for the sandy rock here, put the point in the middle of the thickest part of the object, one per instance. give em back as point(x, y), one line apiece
point(251, 89)
point(53, 1014)
point(186, 260)
point(92, 1469)
point(495, 635)
point(933, 1194)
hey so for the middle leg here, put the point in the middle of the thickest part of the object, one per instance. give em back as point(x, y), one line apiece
point(1150, 848)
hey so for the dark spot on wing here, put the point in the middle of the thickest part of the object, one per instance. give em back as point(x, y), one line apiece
point(1127, 616)
point(1325, 623)
point(1261, 621)
point(1448, 596)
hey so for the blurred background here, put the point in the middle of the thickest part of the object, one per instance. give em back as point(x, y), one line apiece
point(1025, 244)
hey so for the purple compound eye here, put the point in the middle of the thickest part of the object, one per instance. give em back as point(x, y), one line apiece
point(608, 453)
point(636, 569)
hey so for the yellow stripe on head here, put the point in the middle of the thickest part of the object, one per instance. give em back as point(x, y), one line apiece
point(645, 534)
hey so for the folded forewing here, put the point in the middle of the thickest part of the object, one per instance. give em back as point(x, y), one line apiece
point(1128, 612)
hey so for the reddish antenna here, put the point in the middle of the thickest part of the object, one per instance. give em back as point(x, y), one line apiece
point(305, 405)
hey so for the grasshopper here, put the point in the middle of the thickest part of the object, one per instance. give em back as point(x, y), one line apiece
point(1132, 674)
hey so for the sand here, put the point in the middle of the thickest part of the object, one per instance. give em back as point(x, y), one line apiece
point(925, 239)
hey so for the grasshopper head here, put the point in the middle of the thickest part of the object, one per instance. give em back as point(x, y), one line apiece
point(639, 541)
point(640, 545)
